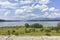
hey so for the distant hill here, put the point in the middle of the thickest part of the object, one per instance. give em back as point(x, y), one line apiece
point(1, 20)
point(41, 19)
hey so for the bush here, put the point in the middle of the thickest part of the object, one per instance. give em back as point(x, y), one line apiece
point(27, 31)
point(13, 31)
point(48, 34)
point(41, 29)
point(16, 33)
point(9, 32)
point(48, 30)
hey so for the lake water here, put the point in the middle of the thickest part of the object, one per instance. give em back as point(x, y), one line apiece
point(44, 23)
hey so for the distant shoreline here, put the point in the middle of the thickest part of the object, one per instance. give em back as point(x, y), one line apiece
point(25, 20)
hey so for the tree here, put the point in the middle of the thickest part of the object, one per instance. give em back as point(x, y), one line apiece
point(27, 25)
point(58, 25)
point(37, 25)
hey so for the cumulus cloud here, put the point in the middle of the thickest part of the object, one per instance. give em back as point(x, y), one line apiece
point(27, 9)
point(41, 7)
point(53, 9)
point(26, 1)
point(19, 11)
point(43, 1)
point(24, 9)
point(54, 15)
point(7, 4)
point(44, 8)
point(31, 15)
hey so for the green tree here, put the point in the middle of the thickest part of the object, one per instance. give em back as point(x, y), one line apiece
point(37, 25)
point(58, 27)
point(27, 25)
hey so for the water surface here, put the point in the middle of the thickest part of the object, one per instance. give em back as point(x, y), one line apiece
point(44, 23)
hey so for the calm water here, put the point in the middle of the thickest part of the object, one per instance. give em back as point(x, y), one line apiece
point(44, 23)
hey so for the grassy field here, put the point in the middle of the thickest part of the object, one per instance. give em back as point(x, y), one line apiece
point(21, 30)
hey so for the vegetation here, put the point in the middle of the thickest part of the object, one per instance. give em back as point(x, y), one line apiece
point(33, 29)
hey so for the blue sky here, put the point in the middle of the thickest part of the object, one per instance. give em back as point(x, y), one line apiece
point(29, 9)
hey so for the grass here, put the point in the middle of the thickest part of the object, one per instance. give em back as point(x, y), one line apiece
point(19, 30)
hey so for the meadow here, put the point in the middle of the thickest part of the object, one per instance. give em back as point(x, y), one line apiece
point(31, 30)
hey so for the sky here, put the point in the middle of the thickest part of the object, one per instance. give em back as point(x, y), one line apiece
point(29, 9)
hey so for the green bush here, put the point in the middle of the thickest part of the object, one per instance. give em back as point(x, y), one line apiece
point(48, 34)
point(9, 32)
point(27, 30)
point(13, 31)
point(42, 29)
point(48, 30)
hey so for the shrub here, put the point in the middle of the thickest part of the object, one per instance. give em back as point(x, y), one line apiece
point(48, 34)
point(16, 33)
point(48, 30)
point(41, 29)
point(13, 31)
point(27, 31)
point(9, 32)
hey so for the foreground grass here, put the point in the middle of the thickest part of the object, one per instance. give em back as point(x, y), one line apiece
point(21, 30)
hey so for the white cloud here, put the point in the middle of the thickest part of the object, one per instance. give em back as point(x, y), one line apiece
point(23, 9)
point(26, 1)
point(19, 11)
point(32, 15)
point(7, 4)
point(37, 6)
point(36, 1)
point(53, 9)
point(41, 7)
point(44, 1)
point(54, 15)
point(45, 9)
point(27, 8)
